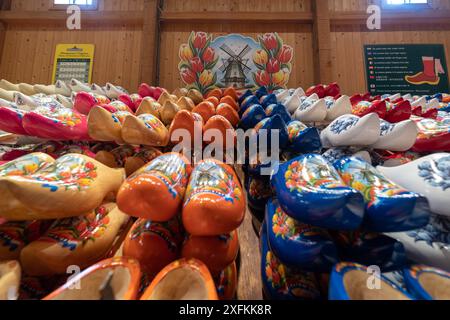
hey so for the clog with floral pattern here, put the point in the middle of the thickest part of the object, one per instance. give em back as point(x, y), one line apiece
point(214, 203)
point(310, 190)
point(349, 281)
point(427, 283)
point(370, 248)
point(11, 119)
point(281, 282)
point(156, 191)
point(15, 235)
point(226, 283)
point(85, 101)
point(299, 245)
point(10, 275)
point(133, 101)
point(185, 279)
point(106, 126)
point(145, 130)
point(154, 244)
point(110, 279)
point(388, 207)
point(429, 175)
point(303, 139)
point(80, 241)
point(398, 112)
point(434, 135)
point(400, 136)
point(216, 252)
point(70, 186)
point(351, 130)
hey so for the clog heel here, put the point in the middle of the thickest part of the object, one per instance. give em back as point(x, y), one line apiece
point(106, 126)
point(146, 130)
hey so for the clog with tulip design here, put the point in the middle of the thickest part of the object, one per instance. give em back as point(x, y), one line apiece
point(310, 190)
point(349, 282)
point(299, 245)
point(281, 282)
point(154, 244)
point(110, 279)
point(185, 279)
point(156, 191)
point(80, 241)
point(214, 203)
point(388, 207)
point(70, 186)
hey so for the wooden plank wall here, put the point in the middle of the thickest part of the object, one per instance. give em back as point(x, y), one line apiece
point(29, 49)
point(122, 51)
point(347, 41)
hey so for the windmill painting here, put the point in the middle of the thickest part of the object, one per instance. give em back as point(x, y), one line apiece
point(235, 60)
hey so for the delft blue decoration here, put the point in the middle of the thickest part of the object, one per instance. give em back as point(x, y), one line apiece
point(338, 290)
point(369, 248)
point(279, 109)
point(281, 282)
point(261, 92)
point(344, 124)
point(303, 139)
point(388, 208)
point(248, 102)
point(246, 94)
point(252, 116)
point(418, 289)
point(268, 100)
point(299, 245)
point(436, 172)
point(310, 190)
point(438, 96)
point(273, 123)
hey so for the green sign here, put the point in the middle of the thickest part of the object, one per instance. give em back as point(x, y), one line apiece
point(419, 69)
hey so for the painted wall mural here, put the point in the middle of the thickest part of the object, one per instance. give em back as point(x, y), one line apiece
point(235, 61)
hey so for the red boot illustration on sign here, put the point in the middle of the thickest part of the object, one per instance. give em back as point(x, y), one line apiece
point(432, 68)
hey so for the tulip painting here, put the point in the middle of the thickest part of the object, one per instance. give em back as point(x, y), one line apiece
point(198, 60)
point(273, 61)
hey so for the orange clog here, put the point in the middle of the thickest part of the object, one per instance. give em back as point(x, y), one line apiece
point(229, 113)
point(154, 244)
point(182, 280)
point(213, 100)
point(231, 101)
point(215, 93)
point(214, 203)
point(121, 275)
point(206, 109)
point(156, 191)
point(185, 120)
point(226, 283)
point(230, 92)
point(217, 252)
point(219, 124)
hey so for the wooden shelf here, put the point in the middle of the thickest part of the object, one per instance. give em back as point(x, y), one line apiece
point(235, 17)
point(391, 17)
point(87, 17)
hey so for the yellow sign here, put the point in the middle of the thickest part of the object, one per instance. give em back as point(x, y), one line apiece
point(73, 61)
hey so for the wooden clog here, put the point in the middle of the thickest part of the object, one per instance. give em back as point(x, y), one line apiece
point(215, 93)
point(230, 92)
point(185, 103)
point(139, 159)
point(9, 86)
point(85, 101)
point(229, 113)
point(133, 101)
point(98, 89)
point(168, 112)
point(11, 120)
point(80, 241)
point(146, 130)
point(149, 106)
point(180, 92)
point(195, 96)
point(154, 244)
point(110, 279)
point(206, 110)
point(66, 102)
point(114, 92)
point(182, 280)
point(71, 186)
point(215, 252)
point(230, 101)
point(185, 120)
point(61, 88)
point(164, 97)
point(219, 131)
point(77, 86)
point(10, 275)
point(214, 203)
point(27, 89)
point(226, 283)
point(7, 95)
point(213, 100)
point(156, 191)
point(45, 89)
point(427, 283)
point(104, 125)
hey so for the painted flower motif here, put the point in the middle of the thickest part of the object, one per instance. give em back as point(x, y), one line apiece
point(260, 57)
point(432, 236)
point(436, 172)
point(342, 125)
point(273, 66)
point(386, 128)
point(270, 41)
point(196, 65)
point(285, 55)
point(206, 78)
point(262, 78)
point(188, 76)
point(208, 55)
point(287, 228)
point(275, 273)
point(185, 53)
point(280, 78)
point(200, 39)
